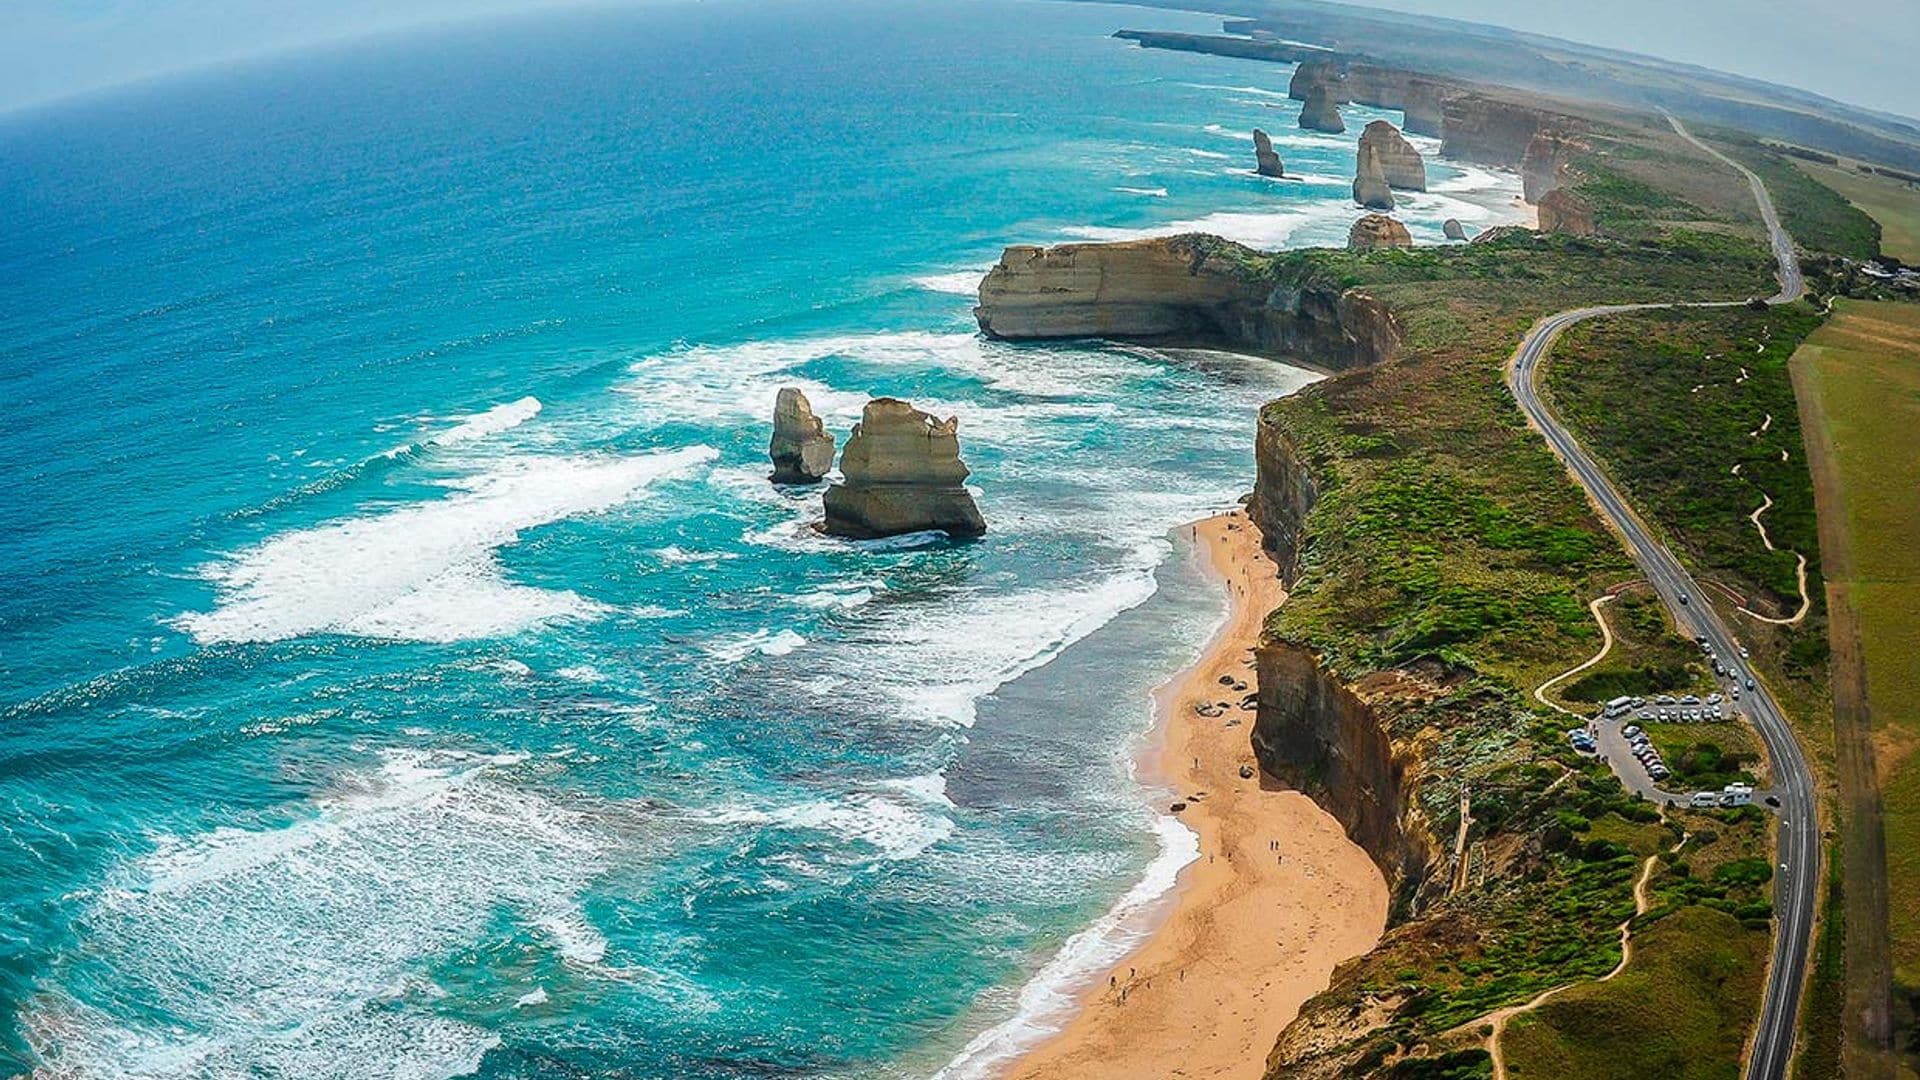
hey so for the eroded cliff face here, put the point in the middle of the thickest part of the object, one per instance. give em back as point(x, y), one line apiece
point(1490, 131)
point(1195, 290)
point(1312, 730)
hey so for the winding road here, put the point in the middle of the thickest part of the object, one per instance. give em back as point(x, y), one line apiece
point(1796, 878)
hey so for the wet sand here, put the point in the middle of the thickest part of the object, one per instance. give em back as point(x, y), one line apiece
point(1257, 923)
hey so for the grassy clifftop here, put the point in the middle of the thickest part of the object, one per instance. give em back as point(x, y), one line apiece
point(1445, 572)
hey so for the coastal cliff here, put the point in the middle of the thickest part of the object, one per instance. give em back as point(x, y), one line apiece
point(1313, 731)
point(1195, 291)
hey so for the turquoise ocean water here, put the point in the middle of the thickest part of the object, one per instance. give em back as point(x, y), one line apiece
point(405, 667)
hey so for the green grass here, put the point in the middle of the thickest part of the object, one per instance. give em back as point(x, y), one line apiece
point(1823, 1016)
point(1895, 205)
point(1865, 366)
point(1449, 555)
point(1815, 215)
point(1662, 400)
point(1680, 1010)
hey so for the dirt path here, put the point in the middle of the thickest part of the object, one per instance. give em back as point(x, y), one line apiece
point(1497, 1020)
point(1606, 646)
point(1806, 602)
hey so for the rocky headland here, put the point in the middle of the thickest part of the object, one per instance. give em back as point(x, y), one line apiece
point(801, 449)
point(901, 473)
point(1195, 290)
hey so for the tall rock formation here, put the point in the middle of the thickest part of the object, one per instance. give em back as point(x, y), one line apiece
point(1370, 187)
point(1400, 163)
point(1265, 161)
point(1378, 231)
point(1562, 211)
point(1548, 164)
point(802, 451)
point(1320, 113)
point(1196, 291)
point(902, 474)
point(1453, 229)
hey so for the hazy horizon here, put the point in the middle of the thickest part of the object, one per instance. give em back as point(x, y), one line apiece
point(1861, 55)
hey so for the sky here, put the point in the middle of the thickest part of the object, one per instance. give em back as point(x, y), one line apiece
point(1862, 51)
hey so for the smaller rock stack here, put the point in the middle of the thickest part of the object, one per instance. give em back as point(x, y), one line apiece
point(1320, 113)
point(903, 474)
point(1378, 231)
point(1370, 188)
point(1265, 161)
point(802, 451)
point(1453, 229)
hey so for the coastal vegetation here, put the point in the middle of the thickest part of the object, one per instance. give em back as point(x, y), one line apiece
point(1895, 204)
point(1818, 217)
point(1444, 567)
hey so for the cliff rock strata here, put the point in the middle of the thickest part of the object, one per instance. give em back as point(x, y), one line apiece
point(903, 474)
point(1563, 211)
point(1325, 737)
point(1193, 290)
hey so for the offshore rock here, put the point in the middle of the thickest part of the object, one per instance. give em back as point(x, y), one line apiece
point(1400, 163)
point(1320, 113)
point(1453, 229)
point(1370, 188)
point(903, 474)
point(1562, 211)
point(802, 451)
point(1193, 291)
point(1378, 231)
point(1265, 161)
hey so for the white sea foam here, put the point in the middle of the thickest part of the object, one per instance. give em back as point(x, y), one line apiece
point(302, 949)
point(1046, 1002)
point(958, 283)
point(892, 820)
point(492, 422)
point(1149, 192)
point(734, 648)
point(425, 571)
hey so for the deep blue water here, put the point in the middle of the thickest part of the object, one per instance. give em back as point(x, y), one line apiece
point(405, 667)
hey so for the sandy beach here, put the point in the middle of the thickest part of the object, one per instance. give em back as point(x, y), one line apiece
point(1278, 897)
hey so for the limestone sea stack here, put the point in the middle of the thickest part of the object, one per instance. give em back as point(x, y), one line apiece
point(1320, 113)
point(1265, 161)
point(1453, 229)
point(903, 474)
point(1378, 231)
point(1370, 187)
point(1400, 163)
point(802, 451)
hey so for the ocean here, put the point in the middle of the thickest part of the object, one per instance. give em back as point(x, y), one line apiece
point(406, 668)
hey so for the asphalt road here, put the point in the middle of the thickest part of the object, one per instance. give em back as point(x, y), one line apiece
point(1797, 875)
